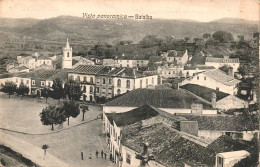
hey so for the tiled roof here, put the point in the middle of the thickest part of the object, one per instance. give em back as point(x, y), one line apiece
point(221, 60)
point(223, 122)
point(44, 57)
point(87, 69)
point(168, 98)
point(225, 144)
point(222, 77)
point(204, 92)
point(163, 86)
point(167, 145)
point(198, 67)
point(62, 75)
point(174, 53)
point(6, 75)
point(37, 74)
point(133, 116)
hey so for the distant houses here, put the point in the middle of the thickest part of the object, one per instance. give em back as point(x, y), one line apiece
point(176, 57)
point(219, 62)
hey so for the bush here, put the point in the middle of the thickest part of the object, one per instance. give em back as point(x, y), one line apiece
point(3, 162)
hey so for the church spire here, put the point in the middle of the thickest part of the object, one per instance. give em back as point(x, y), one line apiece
point(67, 44)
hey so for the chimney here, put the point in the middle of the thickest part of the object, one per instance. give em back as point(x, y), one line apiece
point(231, 72)
point(213, 99)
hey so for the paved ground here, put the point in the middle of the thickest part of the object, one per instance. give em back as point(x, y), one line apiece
point(66, 145)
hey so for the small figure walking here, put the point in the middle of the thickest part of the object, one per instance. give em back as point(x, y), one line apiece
point(105, 155)
point(102, 152)
point(96, 154)
point(82, 156)
point(90, 156)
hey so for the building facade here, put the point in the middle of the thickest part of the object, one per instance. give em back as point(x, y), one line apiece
point(219, 62)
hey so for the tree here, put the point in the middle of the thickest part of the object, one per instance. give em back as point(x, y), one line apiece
point(57, 89)
point(223, 36)
point(45, 147)
point(187, 39)
point(84, 109)
point(9, 88)
point(71, 109)
point(244, 69)
point(46, 93)
point(225, 68)
point(206, 35)
point(52, 115)
point(73, 90)
point(22, 90)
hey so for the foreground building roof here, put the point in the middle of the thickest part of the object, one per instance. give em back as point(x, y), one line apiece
point(87, 69)
point(162, 98)
point(39, 74)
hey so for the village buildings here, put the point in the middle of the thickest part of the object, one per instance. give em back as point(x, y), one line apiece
point(215, 79)
point(176, 57)
point(219, 62)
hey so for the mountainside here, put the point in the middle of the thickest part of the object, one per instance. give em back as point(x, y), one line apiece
point(86, 30)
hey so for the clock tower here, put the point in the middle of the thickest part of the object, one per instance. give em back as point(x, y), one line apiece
point(67, 56)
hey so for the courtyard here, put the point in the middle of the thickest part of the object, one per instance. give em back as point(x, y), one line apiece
point(21, 116)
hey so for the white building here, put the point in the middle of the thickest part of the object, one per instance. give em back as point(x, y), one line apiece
point(215, 79)
point(228, 159)
point(132, 63)
point(67, 56)
point(219, 62)
point(176, 57)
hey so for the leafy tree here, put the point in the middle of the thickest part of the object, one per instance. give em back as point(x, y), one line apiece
point(151, 40)
point(223, 36)
point(57, 89)
point(225, 68)
point(84, 109)
point(187, 39)
point(71, 109)
point(52, 115)
point(244, 69)
point(206, 35)
point(23, 89)
point(46, 93)
point(9, 88)
point(73, 90)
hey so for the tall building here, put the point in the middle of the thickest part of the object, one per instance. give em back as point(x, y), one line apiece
point(67, 56)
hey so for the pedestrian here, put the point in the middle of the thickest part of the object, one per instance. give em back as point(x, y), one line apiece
point(105, 155)
point(82, 156)
point(96, 154)
point(90, 156)
point(102, 152)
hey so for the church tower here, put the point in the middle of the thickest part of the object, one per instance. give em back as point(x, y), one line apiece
point(67, 56)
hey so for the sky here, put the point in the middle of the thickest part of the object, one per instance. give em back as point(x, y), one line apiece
point(199, 10)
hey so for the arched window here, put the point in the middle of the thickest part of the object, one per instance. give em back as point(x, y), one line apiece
point(118, 83)
point(91, 80)
point(146, 82)
point(78, 78)
point(141, 83)
point(85, 89)
point(85, 79)
point(68, 54)
point(118, 91)
point(127, 84)
point(91, 89)
point(72, 77)
point(152, 81)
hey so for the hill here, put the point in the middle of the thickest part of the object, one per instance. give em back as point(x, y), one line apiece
point(111, 31)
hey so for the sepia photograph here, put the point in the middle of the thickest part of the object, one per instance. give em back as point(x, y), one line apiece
point(137, 83)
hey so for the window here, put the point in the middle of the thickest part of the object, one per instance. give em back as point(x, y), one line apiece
point(33, 82)
point(147, 82)
point(91, 80)
point(78, 78)
point(97, 90)
point(118, 83)
point(127, 65)
point(21, 80)
point(110, 81)
point(42, 83)
point(127, 84)
point(72, 77)
point(85, 79)
point(217, 88)
point(128, 158)
point(141, 83)
point(205, 78)
point(27, 81)
point(104, 80)
point(68, 54)
point(198, 77)
point(152, 81)
point(49, 84)
point(118, 91)
point(16, 80)
point(220, 162)
point(84, 88)
point(91, 89)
